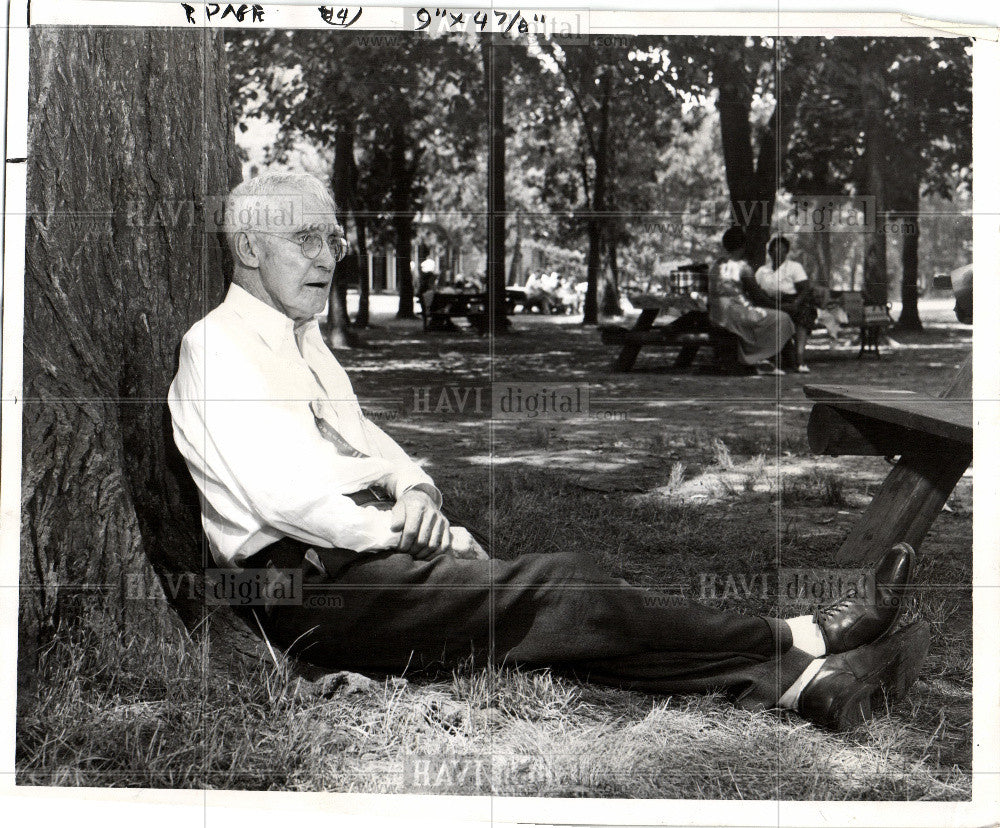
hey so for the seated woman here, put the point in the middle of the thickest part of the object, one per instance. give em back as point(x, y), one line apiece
point(784, 284)
point(761, 333)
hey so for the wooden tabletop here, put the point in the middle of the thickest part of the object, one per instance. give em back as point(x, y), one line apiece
point(951, 418)
point(667, 301)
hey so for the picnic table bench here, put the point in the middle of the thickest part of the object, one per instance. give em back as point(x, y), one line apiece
point(689, 330)
point(931, 436)
point(437, 307)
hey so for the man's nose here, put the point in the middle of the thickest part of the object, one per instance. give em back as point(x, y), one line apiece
point(326, 258)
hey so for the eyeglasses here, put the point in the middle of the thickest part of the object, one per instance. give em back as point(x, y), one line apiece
point(311, 243)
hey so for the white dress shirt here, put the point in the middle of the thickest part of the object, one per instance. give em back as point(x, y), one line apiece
point(781, 280)
point(247, 407)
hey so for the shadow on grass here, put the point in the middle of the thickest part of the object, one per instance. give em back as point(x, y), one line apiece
point(130, 712)
point(127, 709)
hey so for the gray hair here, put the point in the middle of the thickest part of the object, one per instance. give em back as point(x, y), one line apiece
point(272, 202)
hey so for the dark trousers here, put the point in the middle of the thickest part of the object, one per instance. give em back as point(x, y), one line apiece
point(389, 613)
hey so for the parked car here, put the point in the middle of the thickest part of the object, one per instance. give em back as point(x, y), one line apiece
point(961, 286)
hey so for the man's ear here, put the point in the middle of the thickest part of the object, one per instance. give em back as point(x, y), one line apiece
point(248, 250)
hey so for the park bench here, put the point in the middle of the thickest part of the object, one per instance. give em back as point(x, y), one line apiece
point(870, 320)
point(931, 437)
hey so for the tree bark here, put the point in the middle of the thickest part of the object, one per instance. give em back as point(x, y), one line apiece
point(495, 64)
point(825, 270)
point(122, 256)
point(344, 193)
point(753, 178)
point(402, 220)
point(339, 335)
point(361, 318)
point(595, 225)
point(514, 272)
point(909, 221)
point(875, 96)
point(735, 96)
point(611, 302)
point(345, 183)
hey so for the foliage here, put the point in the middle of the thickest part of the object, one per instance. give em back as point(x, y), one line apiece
point(618, 110)
point(413, 106)
point(607, 146)
point(916, 94)
point(928, 84)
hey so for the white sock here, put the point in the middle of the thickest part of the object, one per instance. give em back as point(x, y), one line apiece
point(790, 698)
point(807, 636)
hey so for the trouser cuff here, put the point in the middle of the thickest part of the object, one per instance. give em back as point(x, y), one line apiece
point(781, 633)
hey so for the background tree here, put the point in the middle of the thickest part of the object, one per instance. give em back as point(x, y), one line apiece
point(613, 94)
point(930, 124)
point(756, 85)
point(122, 256)
point(899, 129)
point(496, 64)
point(676, 188)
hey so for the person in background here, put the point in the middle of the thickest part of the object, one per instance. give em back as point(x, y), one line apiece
point(786, 286)
point(763, 333)
point(429, 277)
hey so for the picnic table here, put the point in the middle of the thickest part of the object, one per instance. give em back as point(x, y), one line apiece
point(439, 305)
point(930, 436)
point(687, 328)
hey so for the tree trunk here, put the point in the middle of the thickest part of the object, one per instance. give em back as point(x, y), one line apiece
point(402, 220)
point(403, 229)
point(336, 318)
point(909, 220)
point(495, 64)
point(122, 256)
point(612, 305)
point(343, 186)
point(875, 104)
point(361, 318)
point(753, 179)
point(339, 335)
point(735, 97)
point(345, 183)
point(825, 271)
point(595, 226)
point(514, 273)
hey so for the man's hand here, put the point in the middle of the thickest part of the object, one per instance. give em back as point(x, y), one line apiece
point(426, 531)
point(464, 546)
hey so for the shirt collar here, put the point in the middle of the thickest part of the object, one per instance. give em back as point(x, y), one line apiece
point(272, 325)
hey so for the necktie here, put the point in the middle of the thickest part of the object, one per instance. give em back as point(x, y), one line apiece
point(321, 407)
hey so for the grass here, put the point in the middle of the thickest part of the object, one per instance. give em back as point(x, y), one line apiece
point(674, 493)
point(109, 719)
point(133, 711)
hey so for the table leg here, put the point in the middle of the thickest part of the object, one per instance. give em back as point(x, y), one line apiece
point(630, 351)
point(686, 356)
point(905, 506)
point(913, 493)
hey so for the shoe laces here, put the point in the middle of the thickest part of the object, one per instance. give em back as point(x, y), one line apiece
point(831, 609)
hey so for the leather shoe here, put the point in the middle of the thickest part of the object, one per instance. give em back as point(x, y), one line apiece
point(867, 617)
point(849, 686)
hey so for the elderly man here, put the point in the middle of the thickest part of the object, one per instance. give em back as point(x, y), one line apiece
point(293, 476)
